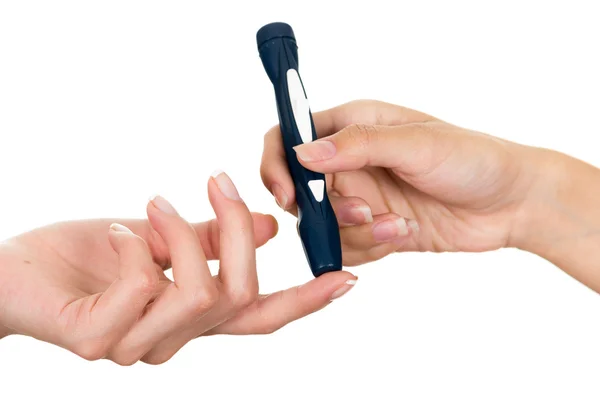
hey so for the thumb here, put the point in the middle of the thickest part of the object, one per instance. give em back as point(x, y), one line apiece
point(409, 148)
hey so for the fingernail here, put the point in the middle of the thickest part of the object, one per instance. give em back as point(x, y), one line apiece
point(117, 227)
point(280, 197)
point(343, 289)
point(163, 205)
point(366, 213)
point(355, 215)
point(390, 229)
point(225, 185)
point(315, 151)
point(413, 225)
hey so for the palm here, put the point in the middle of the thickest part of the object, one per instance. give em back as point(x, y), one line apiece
point(65, 262)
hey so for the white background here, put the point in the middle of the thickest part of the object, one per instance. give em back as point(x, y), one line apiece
point(103, 104)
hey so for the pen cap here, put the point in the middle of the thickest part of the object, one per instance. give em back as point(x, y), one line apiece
point(271, 40)
point(272, 31)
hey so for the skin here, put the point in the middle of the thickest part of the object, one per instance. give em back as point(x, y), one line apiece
point(98, 287)
point(401, 180)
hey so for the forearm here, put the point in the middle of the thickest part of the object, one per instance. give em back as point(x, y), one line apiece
point(561, 218)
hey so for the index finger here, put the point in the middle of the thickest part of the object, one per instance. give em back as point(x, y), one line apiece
point(274, 171)
point(369, 112)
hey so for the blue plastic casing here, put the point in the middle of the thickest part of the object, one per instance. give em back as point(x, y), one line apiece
point(317, 225)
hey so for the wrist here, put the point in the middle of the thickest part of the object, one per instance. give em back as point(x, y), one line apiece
point(560, 205)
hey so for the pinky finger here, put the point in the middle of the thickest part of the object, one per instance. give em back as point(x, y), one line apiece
point(272, 312)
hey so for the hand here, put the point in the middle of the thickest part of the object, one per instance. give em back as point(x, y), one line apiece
point(70, 285)
point(401, 180)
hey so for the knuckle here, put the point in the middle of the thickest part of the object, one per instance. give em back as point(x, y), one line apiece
point(158, 357)
point(125, 361)
point(124, 355)
point(269, 329)
point(202, 300)
point(361, 135)
point(91, 349)
point(243, 297)
point(147, 281)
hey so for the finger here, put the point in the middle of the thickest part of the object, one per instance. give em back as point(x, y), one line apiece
point(369, 112)
point(274, 171)
point(237, 270)
point(412, 148)
point(208, 234)
point(113, 313)
point(242, 291)
point(385, 228)
point(192, 295)
point(190, 270)
point(272, 312)
point(350, 211)
point(386, 234)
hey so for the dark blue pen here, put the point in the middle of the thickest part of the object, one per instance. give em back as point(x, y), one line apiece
point(317, 225)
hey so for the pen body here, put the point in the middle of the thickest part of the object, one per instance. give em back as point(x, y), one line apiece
point(317, 225)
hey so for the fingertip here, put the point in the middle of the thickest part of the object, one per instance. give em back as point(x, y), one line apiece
point(341, 276)
point(117, 227)
point(281, 197)
point(159, 205)
point(265, 228)
point(274, 225)
point(343, 289)
point(274, 171)
point(328, 286)
point(116, 232)
point(221, 184)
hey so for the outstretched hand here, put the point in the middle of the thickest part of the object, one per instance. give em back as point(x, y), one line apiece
point(98, 287)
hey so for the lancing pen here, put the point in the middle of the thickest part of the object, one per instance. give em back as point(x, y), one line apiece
point(317, 225)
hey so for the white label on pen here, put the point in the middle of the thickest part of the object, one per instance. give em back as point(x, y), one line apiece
point(300, 105)
point(317, 187)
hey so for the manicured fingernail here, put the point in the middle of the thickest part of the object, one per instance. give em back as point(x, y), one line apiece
point(163, 205)
point(413, 225)
point(280, 197)
point(343, 289)
point(366, 213)
point(315, 151)
point(355, 215)
point(225, 185)
point(390, 229)
point(117, 227)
